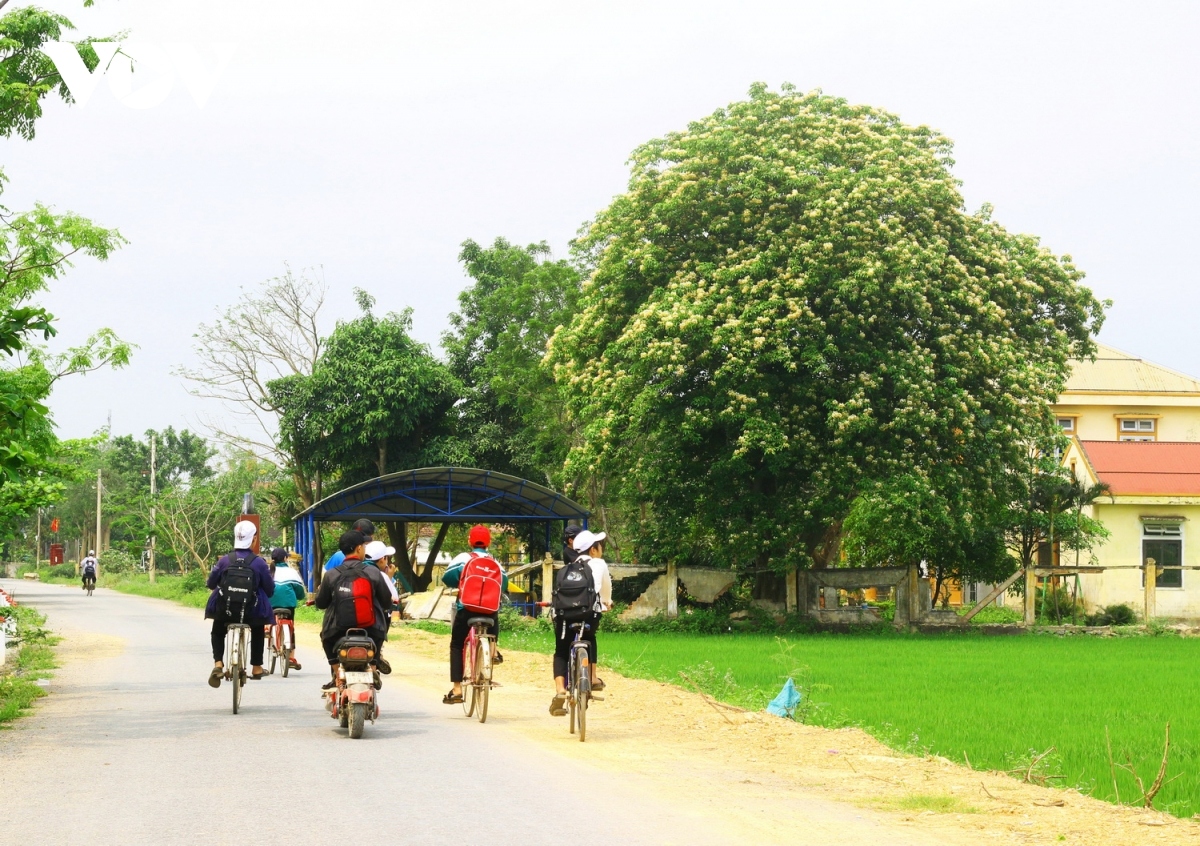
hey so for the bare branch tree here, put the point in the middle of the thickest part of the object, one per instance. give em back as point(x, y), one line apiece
point(271, 332)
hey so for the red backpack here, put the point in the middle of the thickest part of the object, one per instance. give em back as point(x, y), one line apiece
point(355, 599)
point(480, 585)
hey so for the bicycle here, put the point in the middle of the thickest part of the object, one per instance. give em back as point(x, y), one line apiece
point(89, 585)
point(237, 648)
point(281, 641)
point(478, 650)
point(579, 682)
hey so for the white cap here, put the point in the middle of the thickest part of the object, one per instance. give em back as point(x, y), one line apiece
point(243, 534)
point(585, 540)
point(378, 549)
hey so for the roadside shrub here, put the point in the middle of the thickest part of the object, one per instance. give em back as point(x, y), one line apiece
point(192, 582)
point(1113, 615)
point(116, 561)
point(63, 571)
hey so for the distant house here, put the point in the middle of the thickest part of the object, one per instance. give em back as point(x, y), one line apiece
point(1135, 426)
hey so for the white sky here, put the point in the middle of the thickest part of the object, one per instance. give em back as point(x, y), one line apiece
point(373, 137)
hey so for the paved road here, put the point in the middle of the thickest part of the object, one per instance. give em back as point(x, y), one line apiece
point(133, 747)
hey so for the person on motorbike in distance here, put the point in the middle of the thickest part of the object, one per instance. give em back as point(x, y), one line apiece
point(363, 525)
point(479, 539)
point(257, 617)
point(89, 567)
point(590, 547)
point(289, 590)
point(331, 600)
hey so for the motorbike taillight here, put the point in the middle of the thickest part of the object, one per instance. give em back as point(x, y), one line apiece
point(357, 653)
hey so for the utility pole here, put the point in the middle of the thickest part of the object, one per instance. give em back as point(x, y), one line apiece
point(99, 497)
point(153, 498)
point(37, 556)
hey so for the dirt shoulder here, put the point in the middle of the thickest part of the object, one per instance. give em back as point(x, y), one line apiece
point(774, 777)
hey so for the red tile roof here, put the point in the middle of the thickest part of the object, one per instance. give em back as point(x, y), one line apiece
point(1146, 468)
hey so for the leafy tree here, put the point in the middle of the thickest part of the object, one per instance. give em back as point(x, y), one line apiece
point(377, 402)
point(789, 304)
point(512, 415)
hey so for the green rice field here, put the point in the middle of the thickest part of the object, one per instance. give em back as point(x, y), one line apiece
point(995, 701)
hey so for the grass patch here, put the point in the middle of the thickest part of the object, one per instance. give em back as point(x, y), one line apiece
point(35, 658)
point(936, 802)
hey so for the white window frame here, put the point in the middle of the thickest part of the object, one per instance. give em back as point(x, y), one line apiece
point(1067, 424)
point(1163, 530)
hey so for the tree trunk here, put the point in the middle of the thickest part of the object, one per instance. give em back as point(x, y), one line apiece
point(398, 537)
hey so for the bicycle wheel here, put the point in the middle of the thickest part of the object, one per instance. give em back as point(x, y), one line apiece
point(237, 655)
point(469, 689)
point(571, 693)
point(581, 685)
point(483, 676)
point(272, 651)
point(286, 642)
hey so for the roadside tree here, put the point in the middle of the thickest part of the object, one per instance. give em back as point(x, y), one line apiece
point(790, 304)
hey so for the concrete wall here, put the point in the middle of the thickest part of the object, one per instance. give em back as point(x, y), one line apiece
point(1124, 548)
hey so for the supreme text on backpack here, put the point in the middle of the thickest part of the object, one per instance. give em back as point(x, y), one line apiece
point(574, 591)
point(480, 584)
point(354, 599)
point(238, 596)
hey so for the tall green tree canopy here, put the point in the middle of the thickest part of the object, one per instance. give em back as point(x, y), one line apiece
point(512, 415)
point(789, 303)
point(377, 401)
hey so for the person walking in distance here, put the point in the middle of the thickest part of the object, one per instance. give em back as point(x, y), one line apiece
point(480, 581)
point(582, 592)
point(241, 586)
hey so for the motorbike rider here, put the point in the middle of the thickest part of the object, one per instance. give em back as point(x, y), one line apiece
point(479, 539)
point(257, 617)
point(289, 589)
point(336, 597)
point(90, 568)
point(380, 554)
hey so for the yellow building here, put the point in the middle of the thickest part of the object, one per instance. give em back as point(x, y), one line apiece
point(1136, 428)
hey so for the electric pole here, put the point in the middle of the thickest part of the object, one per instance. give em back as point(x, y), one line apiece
point(153, 496)
point(37, 555)
point(99, 496)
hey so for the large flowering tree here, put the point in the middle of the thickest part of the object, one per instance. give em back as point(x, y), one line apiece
point(790, 305)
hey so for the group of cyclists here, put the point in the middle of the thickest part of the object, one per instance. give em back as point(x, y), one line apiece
point(358, 590)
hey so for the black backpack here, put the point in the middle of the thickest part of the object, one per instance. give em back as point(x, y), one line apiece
point(236, 589)
point(574, 591)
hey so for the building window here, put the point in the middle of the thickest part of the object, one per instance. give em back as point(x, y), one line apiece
point(1138, 429)
point(1067, 424)
point(1164, 543)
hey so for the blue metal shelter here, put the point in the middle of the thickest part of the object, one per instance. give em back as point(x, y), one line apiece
point(435, 495)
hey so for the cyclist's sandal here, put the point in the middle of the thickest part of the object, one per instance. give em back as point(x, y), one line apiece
point(257, 676)
point(329, 685)
point(294, 664)
point(214, 678)
point(384, 666)
point(452, 698)
point(598, 685)
point(497, 658)
point(558, 705)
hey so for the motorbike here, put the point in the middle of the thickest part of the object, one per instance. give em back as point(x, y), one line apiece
point(352, 700)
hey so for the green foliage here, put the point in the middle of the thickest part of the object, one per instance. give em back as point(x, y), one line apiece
point(790, 304)
point(996, 615)
point(376, 401)
point(35, 657)
point(1113, 615)
point(512, 412)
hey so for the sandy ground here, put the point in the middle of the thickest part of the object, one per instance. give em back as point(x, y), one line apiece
point(761, 769)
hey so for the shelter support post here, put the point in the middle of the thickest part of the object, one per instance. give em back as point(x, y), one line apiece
point(547, 578)
point(1030, 596)
point(672, 590)
point(914, 594)
point(792, 601)
point(1150, 573)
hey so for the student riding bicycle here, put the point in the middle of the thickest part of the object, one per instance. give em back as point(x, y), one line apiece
point(463, 573)
point(289, 590)
point(582, 592)
point(353, 595)
point(241, 585)
point(90, 567)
